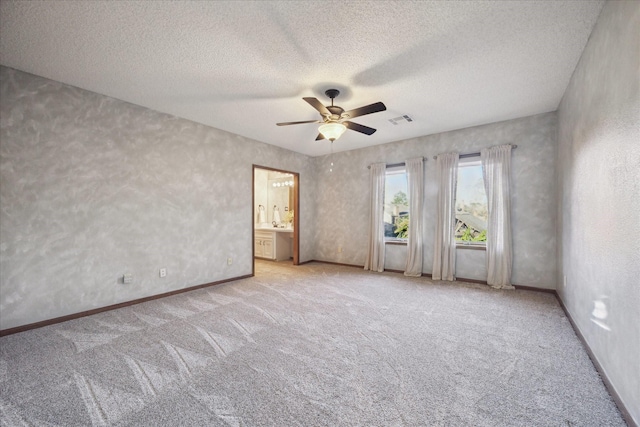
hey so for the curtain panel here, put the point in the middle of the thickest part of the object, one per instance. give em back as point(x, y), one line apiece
point(444, 254)
point(375, 248)
point(496, 168)
point(415, 183)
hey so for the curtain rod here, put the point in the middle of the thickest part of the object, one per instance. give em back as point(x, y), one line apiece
point(464, 156)
point(393, 165)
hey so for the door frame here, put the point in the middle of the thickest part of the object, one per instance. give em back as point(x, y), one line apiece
point(296, 216)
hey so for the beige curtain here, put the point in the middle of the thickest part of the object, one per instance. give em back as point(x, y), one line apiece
point(496, 168)
point(375, 255)
point(444, 254)
point(415, 181)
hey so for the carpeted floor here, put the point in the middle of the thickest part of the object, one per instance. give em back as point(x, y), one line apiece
point(314, 345)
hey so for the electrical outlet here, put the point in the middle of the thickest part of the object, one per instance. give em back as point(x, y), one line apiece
point(127, 278)
point(229, 261)
point(163, 272)
point(565, 281)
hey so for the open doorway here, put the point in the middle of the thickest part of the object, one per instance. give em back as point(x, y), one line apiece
point(276, 220)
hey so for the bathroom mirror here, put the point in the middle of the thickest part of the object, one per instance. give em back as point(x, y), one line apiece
point(272, 188)
point(280, 196)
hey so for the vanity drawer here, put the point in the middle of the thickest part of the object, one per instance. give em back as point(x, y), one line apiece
point(264, 235)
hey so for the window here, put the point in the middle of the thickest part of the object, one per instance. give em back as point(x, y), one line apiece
point(471, 204)
point(396, 205)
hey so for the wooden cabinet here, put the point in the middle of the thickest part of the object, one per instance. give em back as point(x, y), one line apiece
point(272, 244)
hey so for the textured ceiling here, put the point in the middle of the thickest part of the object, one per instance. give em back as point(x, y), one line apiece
point(243, 66)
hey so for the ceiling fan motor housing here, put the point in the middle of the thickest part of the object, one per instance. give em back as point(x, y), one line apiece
point(336, 112)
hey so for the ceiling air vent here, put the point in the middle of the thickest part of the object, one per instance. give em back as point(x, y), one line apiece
point(401, 119)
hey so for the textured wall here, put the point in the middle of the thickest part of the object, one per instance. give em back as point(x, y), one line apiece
point(343, 196)
point(92, 187)
point(599, 197)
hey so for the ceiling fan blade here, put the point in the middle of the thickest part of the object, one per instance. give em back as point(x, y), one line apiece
point(367, 109)
point(359, 128)
point(319, 137)
point(297, 123)
point(318, 106)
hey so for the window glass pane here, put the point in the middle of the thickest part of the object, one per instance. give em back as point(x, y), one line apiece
point(396, 205)
point(471, 204)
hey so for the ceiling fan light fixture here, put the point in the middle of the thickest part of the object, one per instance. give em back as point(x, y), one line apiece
point(332, 131)
point(335, 121)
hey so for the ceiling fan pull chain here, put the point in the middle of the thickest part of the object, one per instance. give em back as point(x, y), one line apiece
point(331, 158)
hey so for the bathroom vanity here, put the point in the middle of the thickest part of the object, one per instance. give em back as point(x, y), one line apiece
point(273, 243)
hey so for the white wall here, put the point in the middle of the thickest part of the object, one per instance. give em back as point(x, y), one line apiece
point(599, 197)
point(92, 187)
point(343, 198)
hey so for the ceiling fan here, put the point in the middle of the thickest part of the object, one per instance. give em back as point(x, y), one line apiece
point(335, 120)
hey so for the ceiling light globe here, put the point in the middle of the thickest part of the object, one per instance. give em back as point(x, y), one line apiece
point(332, 131)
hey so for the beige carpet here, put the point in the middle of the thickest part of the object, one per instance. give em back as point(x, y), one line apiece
point(315, 345)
